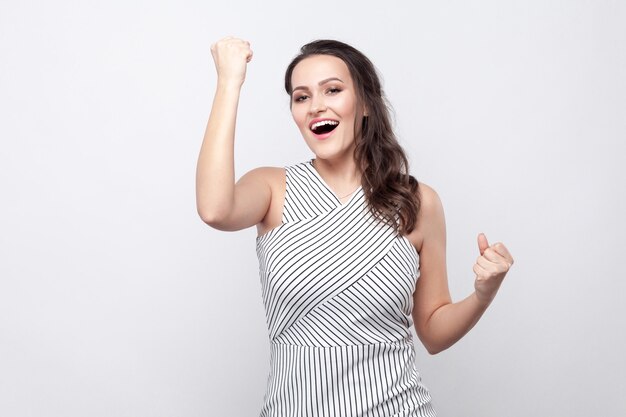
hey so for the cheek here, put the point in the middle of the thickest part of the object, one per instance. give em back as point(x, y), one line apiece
point(299, 118)
point(347, 106)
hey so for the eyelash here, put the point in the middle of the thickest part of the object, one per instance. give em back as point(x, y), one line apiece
point(333, 89)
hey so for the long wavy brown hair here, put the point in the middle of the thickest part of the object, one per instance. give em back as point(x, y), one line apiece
point(391, 192)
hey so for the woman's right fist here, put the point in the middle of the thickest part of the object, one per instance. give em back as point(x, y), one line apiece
point(231, 56)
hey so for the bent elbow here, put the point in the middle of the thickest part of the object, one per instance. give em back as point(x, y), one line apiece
point(433, 351)
point(213, 219)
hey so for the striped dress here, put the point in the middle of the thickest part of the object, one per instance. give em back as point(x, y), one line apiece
point(337, 287)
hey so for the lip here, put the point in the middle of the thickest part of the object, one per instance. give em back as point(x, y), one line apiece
point(323, 135)
point(319, 119)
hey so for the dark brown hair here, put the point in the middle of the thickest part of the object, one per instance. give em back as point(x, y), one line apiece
point(389, 189)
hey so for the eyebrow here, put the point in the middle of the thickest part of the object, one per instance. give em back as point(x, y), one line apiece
point(301, 87)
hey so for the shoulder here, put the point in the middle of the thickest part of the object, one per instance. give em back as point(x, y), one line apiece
point(272, 177)
point(430, 202)
point(430, 218)
point(267, 174)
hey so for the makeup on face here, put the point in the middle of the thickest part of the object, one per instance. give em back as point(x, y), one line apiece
point(322, 102)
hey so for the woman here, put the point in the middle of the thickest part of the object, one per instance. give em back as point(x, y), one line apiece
point(351, 250)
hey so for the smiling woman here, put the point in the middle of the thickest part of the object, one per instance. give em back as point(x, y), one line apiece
point(351, 250)
point(325, 110)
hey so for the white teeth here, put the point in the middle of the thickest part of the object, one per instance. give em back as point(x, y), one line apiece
point(322, 123)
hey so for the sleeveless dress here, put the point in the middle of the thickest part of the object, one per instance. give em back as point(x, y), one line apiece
point(337, 287)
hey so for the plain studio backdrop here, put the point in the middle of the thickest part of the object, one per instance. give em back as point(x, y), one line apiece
point(117, 300)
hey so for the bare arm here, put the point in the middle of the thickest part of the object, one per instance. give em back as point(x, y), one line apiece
point(215, 172)
point(220, 202)
point(439, 323)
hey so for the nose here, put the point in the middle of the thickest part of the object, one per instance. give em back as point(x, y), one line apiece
point(317, 104)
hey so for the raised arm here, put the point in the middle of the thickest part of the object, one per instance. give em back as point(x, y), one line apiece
point(439, 323)
point(220, 202)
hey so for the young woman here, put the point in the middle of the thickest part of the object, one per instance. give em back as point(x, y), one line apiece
point(351, 249)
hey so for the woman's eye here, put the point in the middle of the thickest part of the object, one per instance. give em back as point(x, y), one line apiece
point(304, 97)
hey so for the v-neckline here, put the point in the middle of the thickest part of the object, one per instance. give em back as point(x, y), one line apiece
point(330, 190)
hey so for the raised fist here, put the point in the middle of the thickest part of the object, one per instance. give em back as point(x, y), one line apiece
point(490, 268)
point(231, 56)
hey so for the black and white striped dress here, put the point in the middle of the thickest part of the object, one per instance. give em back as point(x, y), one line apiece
point(337, 286)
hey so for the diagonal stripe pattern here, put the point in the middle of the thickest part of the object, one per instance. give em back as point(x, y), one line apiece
point(337, 286)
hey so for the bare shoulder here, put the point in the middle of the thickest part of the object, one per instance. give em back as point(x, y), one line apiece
point(267, 174)
point(265, 177)
point(430, 217)
point(429, 199)
point(254, 197)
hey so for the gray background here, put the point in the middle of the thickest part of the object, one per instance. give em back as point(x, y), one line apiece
point(115, 298)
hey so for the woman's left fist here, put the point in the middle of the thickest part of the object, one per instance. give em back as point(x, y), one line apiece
point(490, 268)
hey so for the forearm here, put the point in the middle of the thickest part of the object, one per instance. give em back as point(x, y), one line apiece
point(215, 173)
point(450, 322)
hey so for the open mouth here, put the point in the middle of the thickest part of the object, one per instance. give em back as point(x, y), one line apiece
point(324, 126)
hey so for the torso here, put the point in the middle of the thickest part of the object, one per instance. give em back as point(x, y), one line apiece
point(273, 218)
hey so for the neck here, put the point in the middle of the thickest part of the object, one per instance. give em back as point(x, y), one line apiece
point(334, 172)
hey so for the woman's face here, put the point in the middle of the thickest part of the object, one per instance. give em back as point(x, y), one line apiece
point(324, 105)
